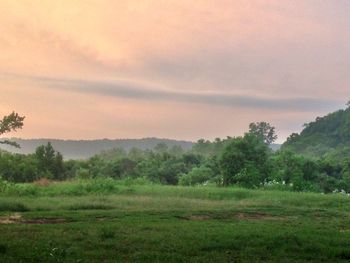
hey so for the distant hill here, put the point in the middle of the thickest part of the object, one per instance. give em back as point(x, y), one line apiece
point(324, 136)
point(83, 149)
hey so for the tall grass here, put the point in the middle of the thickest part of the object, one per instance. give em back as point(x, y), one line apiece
point(142, 187)
point(70, 188)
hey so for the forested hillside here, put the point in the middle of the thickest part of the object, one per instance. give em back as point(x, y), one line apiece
point(327, 136)
point(83, 149)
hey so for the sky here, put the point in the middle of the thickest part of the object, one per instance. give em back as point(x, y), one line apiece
point(171, 68)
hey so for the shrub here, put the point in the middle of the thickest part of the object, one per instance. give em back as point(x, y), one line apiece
point(4, 185)
point(198, 175)
point(82, 173)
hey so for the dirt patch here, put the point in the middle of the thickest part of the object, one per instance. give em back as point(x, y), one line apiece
point(257, 216)
point(11, 219)
point(239, 216)
point(17, 219)
point(41, 221)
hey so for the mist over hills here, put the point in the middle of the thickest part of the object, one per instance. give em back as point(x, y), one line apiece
point(83, 149)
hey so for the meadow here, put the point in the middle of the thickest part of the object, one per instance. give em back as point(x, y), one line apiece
point(126, 221)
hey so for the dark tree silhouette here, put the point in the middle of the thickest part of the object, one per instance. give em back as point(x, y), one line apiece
point(9, 123)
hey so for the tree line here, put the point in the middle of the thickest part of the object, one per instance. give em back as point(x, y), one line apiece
point(245, 160)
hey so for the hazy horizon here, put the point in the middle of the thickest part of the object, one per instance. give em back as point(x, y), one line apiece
point(96, 139)
point(171, 69)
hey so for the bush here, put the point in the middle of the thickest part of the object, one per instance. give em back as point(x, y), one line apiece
point(198, 175)
point(82, 173)
point(5, 185)
point(101, 186)
point(248, 176)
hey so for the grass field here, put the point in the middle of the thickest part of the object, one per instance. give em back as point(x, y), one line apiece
point(107, 221)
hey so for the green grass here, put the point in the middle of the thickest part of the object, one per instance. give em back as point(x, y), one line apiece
point(110, 221)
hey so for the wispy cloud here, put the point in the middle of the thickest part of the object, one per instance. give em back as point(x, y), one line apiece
point(134, 91)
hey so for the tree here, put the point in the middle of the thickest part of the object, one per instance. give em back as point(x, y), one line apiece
point(245, 161)
point(264, 131)
point(9, 123)
point(50, 162)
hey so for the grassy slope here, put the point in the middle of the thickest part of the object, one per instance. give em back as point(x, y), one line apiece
point(146, 223)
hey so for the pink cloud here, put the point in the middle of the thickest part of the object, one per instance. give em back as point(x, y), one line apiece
point(273, 49)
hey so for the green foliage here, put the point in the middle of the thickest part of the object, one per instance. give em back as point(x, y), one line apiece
point(50, 162)
point(10, 123)
point(4, 185)
point(325, 134)
point(197, 176)
point(45, 163)
point(18, 168)
point(245, 161)
point(264, 131)
point(82, 173)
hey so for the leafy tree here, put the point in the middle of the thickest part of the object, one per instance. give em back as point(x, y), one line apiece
point(170, 170)
point(50, 162)
point(10, 123)
point(148, 168)
point(245, 157)
point(58, 167)
point(264, 131)
point(191, 159)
